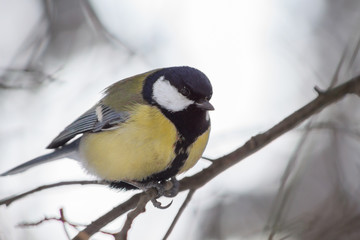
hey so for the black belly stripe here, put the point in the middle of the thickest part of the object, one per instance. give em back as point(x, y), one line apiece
point(181, 154)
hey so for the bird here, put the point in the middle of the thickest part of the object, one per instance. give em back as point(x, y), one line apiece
point(146, 130)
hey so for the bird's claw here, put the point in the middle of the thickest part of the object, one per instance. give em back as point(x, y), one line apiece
point(157, 204)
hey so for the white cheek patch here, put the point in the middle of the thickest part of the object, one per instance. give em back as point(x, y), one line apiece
point(168, 97)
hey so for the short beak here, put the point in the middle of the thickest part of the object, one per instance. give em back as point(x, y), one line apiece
point(205, 105)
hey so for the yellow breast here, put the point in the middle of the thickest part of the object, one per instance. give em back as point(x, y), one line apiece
point(142, 146)
point(195, 151)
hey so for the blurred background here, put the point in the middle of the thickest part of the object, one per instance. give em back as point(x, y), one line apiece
point(263, 58)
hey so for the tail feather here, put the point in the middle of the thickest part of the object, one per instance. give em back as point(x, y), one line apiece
point(65, 151)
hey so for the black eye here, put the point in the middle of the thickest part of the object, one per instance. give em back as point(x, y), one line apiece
point(184, 91)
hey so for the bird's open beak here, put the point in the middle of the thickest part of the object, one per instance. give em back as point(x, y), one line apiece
point(205, 105)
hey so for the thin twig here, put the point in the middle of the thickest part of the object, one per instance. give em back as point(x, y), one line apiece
point(181, 210)
point(207, 159)
point(63, 220)
point(140, 208)
point(336, 75)
point(355, 52)
point(7, 201)
point(33, 224)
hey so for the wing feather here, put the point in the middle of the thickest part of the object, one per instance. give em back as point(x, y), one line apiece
point(90, 121)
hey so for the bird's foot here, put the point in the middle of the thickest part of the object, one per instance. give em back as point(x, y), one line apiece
point(164, 188)
point(169, 188)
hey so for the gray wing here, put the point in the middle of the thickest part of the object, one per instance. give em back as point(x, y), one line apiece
point(98, 118)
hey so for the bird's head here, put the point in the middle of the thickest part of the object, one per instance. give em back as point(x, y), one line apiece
point(176, 89)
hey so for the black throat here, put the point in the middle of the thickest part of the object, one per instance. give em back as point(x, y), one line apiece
point(190, 123)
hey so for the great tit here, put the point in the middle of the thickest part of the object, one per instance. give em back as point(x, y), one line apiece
point(147, 128)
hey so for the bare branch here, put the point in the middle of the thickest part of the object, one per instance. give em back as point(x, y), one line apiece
point(181, 210)
point(95, 226)
point(7, 201)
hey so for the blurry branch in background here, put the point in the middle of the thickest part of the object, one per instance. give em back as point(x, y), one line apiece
point(334, 126)
point(324, 99)
point(291, 173)
point(285, 189)
point(354, 53)
point(54, 40)
point(99, 28)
